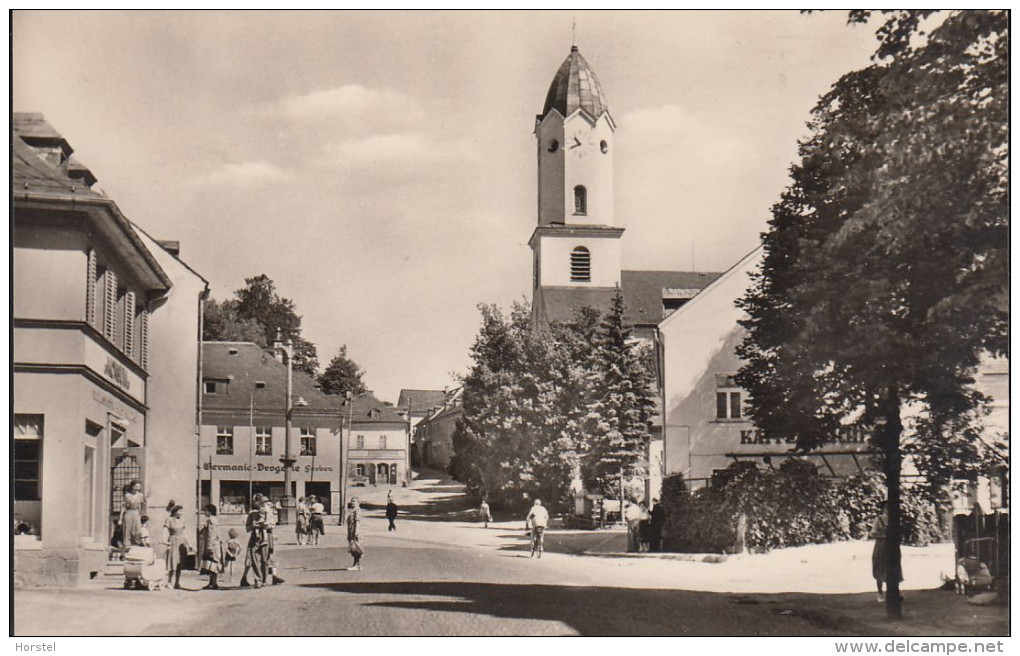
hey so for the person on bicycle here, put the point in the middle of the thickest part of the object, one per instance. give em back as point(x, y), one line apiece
point(536, 521)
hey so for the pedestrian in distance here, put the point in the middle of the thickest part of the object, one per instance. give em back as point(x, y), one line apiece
point(657, 523)
point(301, 521)
point(353, 533)
point(535, 523)
point(391, 514)
point(484, 514)
point(211, 548)
point(634, 515)
point(177, 543)
point(316, 526)
point(255, 554)
point(879, 532)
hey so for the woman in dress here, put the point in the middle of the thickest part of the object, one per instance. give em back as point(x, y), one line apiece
point(301, 521)
point(177, 554)
point(212, 548)
point(316, 526)
point(353, 538)
point(131, 514)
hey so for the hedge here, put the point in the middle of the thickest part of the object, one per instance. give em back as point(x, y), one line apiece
point(786, 508)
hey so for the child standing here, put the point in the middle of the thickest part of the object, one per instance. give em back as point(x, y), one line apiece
point(212, 548)
point(232, 551)
point(144, 532)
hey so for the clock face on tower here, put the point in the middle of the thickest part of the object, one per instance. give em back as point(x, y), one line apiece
point(580, 143)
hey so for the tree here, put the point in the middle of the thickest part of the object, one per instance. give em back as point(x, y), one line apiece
point(511, 441)
point(342, 375)
point(885, 273)
point(620, 402)
point(221, 323)
point(259, 303)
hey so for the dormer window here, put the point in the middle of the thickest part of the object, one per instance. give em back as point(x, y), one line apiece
point(580, 265)
point(580, 200)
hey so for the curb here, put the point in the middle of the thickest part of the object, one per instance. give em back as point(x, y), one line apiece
point(693, 558)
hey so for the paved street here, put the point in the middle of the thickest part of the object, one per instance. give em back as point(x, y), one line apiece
point(441, 573)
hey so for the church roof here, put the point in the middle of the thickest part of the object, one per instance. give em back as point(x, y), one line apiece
point(643, 293)
point(575, 86)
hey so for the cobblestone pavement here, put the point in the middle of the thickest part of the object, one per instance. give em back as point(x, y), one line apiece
point(442, 573)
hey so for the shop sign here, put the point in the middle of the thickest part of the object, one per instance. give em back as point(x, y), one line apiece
point(261, 467)
point(117, 374)
point(848, 435)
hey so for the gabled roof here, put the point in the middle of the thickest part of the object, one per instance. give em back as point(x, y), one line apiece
point(420, 400)
point(245, 365)
point(743, 266)
point(371, 412)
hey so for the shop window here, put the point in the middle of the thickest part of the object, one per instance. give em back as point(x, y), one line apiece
point(28, 433)
point(235, 497)
point(382, 472)
point(263, 441)
point(361, 442)
point(308, 441)
point(580, 265)
point(224, 440)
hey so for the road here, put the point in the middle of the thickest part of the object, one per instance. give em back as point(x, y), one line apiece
point(441, 573)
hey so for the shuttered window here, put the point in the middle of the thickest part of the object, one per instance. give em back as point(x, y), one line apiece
point(90, 289)
point(129, 324)
point(143, 342)
point(110, 305)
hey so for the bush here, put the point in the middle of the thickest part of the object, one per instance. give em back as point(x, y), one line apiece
point(786, 508)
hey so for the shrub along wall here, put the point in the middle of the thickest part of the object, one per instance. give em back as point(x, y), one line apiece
point(793, 506)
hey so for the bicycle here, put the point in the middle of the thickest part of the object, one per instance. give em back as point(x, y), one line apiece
point(537, 540)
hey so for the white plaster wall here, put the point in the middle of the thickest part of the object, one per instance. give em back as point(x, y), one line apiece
point(550, 170)
point(171, 458)
point(50, 268)
point(588, 166)
point(555, 261)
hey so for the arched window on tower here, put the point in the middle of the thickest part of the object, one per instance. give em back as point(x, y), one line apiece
point(580, 200)
point(580, 265)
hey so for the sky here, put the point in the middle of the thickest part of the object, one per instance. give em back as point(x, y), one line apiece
point(380, 166)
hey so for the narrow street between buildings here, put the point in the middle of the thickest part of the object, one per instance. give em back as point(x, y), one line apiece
point(442, 573)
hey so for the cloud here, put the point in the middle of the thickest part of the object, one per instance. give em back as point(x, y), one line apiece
point(404, 148)
point(352, 103)
point(246, 174)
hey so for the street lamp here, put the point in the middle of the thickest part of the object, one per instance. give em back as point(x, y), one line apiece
point(345, 457)
point(288, 460)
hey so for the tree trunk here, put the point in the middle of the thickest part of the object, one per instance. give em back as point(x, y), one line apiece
point(891, 434)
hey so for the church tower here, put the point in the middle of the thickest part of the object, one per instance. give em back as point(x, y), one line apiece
point(576, 245)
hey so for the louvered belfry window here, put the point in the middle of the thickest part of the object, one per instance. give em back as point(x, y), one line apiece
point(90, 290)
point(110, 305)
point(580, 265)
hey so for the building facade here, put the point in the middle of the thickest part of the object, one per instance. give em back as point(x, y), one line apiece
point(102, 320)
point(435, 432)
point(379, 453)
point(414, 406)
point(244, 431)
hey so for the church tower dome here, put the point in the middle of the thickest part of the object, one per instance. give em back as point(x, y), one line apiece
point(575, 86)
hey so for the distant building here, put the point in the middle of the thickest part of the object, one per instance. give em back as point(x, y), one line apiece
point(435, 432)
point(380, 448)
point(414, 405)
point(243, 432)
point(106, 325)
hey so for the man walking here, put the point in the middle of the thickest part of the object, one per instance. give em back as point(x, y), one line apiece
point(484, 513)
point(537, 520)
point(391, 513)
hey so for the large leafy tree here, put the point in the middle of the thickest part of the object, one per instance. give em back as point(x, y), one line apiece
point(885, 274)
point(342, 375)
point(256, 306)
point(620, 402)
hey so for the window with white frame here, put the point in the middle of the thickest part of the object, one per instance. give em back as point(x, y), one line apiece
point(382, 441)
point(307, 441)
point(263, 441)
point(27, 452)
point(224, 440)
point(728, 399)
point(360, 442)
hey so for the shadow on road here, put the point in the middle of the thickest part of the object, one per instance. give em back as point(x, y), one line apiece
point(604, 611)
